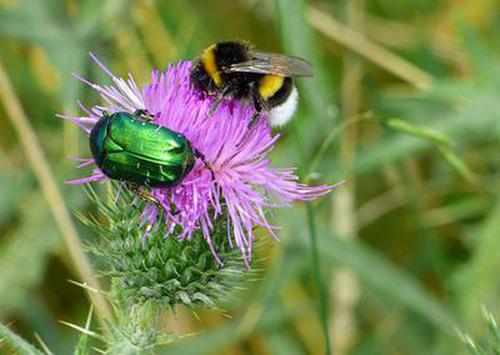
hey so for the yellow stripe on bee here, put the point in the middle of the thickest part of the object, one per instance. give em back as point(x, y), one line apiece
point(210, 65)
point(269, 85)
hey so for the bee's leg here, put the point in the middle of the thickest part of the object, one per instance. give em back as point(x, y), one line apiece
point(218, 99)
point(143, 115)
point(255, 119)
point(258, 104)
point(215, 104)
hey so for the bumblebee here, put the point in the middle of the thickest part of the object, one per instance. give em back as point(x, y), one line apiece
point(234, 70)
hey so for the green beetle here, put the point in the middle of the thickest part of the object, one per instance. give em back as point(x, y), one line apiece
point(128, 148)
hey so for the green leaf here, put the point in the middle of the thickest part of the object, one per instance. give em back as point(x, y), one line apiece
point(30, 21)
point(457, 164)
point(33, 240)
point(479, 282)
point(432, 136)
point(215, 339)
point(477, 119)
point(12, 188)
point(483, 60)
point(298, 39)
point(422, 132)
point(282, 343)
point(17, 343)
point(380, 274)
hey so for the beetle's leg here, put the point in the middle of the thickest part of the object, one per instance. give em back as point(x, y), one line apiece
point(105, 114)
point(173, 210)
point(143, 114)
point(137, 189)
point(145, 195)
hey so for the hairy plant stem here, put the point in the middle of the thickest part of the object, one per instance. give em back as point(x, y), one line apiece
point(345, 289)
point(322, 294)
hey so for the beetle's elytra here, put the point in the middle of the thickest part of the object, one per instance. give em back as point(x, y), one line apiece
point(139, 152)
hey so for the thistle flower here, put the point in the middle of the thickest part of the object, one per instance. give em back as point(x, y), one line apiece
point(240, 187)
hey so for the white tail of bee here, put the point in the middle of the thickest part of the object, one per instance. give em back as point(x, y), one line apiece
point(282, 114)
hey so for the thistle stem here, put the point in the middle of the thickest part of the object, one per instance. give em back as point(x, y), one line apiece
point(322, 296)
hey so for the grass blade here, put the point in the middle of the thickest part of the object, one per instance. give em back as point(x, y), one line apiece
point(50, 190)
point(479, 281)
point(297, 39)
point(377, 272)
point(318, 279)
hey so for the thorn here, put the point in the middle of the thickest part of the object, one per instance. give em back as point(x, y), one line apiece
point(196, 315)
point(489, 316)
point(469, 340)
point(44, 346)
point(83, 330)
point(84, 286)
point(89, 316)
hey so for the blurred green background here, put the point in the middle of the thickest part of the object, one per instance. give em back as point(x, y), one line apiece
point(405, 107)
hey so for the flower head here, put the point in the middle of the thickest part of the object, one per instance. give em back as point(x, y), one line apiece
point(237, 183)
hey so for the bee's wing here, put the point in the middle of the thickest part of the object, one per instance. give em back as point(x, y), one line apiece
point(273, 63)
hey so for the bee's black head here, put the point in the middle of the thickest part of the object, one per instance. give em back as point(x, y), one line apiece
point(231, 52)
point(207, 74)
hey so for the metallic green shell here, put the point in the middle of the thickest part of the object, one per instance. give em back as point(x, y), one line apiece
point(140, 152)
